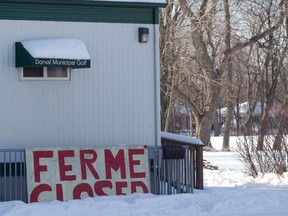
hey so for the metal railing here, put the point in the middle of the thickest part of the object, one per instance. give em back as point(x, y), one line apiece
point(12, 175)
point(195, 155)
point(171, 172)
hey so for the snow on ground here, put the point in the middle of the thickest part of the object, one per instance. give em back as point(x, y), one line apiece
point(224, 160)
point(228, 191)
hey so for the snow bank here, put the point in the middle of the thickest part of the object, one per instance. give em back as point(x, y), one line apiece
point(227, 192)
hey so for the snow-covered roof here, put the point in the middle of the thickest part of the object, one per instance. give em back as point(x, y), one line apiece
point(181, 138)
point(59, 48)
point(243, 109)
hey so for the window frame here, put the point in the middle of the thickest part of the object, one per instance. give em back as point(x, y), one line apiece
point(45, 76)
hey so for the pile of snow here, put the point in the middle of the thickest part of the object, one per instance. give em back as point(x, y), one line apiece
point(59, 48)
point(228, 191)
point(181, 138)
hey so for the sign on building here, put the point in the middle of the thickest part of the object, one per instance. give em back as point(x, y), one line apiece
point(76, 173)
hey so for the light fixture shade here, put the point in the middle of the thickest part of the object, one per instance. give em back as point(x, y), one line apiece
point(143, 35)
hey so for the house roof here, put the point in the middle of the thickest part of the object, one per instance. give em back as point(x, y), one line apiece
point(243, 109)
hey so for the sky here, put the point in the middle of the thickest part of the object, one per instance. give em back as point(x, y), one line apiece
point(228, 191)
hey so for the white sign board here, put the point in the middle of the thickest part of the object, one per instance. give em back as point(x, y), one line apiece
point(76, 173)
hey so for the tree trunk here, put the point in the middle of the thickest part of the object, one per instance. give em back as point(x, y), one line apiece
point(263, 128)
point(168, 110)
point(281, 125)
point(229, 116)
point(227, 126)
point(216, 125)
point(203, 130)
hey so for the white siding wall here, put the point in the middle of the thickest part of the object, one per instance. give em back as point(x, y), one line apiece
point(111, 103)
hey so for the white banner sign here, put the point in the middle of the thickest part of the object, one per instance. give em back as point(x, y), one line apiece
point(66, 173)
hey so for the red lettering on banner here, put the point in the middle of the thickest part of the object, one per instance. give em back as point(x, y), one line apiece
point(37, 167)
point(100, 185)
point(82, 188)
point(115, 163)
point(136, 184)
point(59, 192)
point(64, 174)
point(63, 168)
point(132, 163)
point(119, 186)
point(88, 162)
point(38, 190)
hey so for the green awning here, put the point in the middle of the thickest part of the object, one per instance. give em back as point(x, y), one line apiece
point(64, 52)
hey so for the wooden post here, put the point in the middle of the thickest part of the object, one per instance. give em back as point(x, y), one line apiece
point(198, 168)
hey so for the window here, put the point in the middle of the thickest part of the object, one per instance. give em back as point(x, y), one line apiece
point(45, 73)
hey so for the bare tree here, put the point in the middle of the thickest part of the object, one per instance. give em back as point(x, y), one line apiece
point(270, 66)
point(170, 23)
point(267, 152)
point(281, 125)
point(201, 14)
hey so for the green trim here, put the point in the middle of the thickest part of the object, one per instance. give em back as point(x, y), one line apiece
point(81, 11)
point(88, 3)
point(12, 169)
point(24, 59)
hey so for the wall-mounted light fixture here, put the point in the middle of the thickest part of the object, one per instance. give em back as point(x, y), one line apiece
point(143, 34)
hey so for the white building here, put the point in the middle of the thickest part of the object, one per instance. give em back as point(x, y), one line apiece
point(75, 73)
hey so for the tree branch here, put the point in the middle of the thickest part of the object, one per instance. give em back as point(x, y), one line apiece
point(256, 38)
point(184, 99)
point(187, 11)
point(203, 8)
